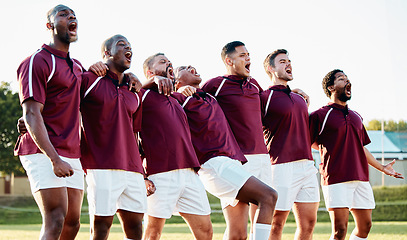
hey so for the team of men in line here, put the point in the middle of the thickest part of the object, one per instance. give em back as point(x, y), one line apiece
point(195, 139)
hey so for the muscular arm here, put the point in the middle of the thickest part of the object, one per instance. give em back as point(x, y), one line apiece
point(387, 169)
point(36, 127)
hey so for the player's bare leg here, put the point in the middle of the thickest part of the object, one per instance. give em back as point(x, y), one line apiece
point(262, 198)
point(131, 223)
point(363, 222)
point(200, 225)
point(100, 227)
point(236, 221)
point(305, 218)
point(154, 228)
point(72, 218)
point(53, 204)
point(339, 220)
point(279, 219)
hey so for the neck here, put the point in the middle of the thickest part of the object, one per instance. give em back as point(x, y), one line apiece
point(337, 101)
point(278, 81)
point(120, 74)
point(58, 45)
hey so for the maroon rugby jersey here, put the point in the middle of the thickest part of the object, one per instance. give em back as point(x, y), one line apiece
point(240, 101)
point(111, 115)
point(53, 79)
point(210, 131)
point(286, 126)
point(165, 134)
point(341, 136)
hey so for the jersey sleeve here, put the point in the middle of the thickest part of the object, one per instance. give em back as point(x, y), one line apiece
point(32, 76)
point(138, 114)
point(314, 127)
point(263, 103)
point(210, 87)
point(87, 79)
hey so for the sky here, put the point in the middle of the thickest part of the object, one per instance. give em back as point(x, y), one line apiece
point(365, 38)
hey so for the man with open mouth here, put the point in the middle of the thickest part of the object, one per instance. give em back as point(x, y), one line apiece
point(286, 130)
point(49, 94)
point(238, 95)
point(171, 162)
point(340, 136)
point(219, 154)
point(111, 120)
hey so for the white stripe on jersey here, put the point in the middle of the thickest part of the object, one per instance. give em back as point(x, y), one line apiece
point(254, 86)
point(138, 100)
point(325, 119)
point(92, 86)
point(30, 74)
point(268, 103)
point(220, 86)
point(145, 95)
point(186, 101)
point(53, 67)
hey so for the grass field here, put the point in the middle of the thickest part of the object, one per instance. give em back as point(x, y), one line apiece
point(380, 231)
point(20, 219)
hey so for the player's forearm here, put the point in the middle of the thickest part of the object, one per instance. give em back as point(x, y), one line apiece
point(36, 128)
point(372, 160)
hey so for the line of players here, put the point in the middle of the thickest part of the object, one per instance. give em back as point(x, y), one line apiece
point(201, 138)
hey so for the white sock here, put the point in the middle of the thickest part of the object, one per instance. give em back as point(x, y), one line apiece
point(354, 237)
point(261, 231)
point(251, 236)
point(332, 237)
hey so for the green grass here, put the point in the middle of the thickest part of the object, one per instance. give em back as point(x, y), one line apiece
point(380, 231)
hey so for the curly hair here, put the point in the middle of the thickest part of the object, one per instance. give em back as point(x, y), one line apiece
point(328, 80)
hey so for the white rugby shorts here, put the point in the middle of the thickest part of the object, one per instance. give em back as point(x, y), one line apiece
point(177, 191)
point(295, 182)
point(41, 174)
point(223, 177)
point(352, 195)
point(109, 190)
point(259, 165)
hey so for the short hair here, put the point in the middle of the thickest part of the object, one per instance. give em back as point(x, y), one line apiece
point(328, 80)
point(177, 70)
point(107, 44)
point(147, 63)
point(269, 61)
point(230, 48)
point(53, 11)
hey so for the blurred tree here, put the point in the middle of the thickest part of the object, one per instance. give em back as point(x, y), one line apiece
point(389, 126)
point(10, 111)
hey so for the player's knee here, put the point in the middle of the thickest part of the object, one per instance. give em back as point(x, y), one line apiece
point(54, 224)
point(207, 232)
point(237, 235)
point(152, 235)
point(270, 197)
point(340, 232)
point(365, 228)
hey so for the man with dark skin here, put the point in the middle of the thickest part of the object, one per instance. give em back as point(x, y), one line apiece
point(111, 114)
point(219, 154)
point(50, 150)
point(339, 135)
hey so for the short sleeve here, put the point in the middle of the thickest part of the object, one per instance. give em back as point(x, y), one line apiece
point(32, 76)
point(314, 127)
point(138, 114)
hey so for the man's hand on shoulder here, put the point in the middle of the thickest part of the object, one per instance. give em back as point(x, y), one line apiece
point(187, 90)
point(134, 83)
point(99, 69)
